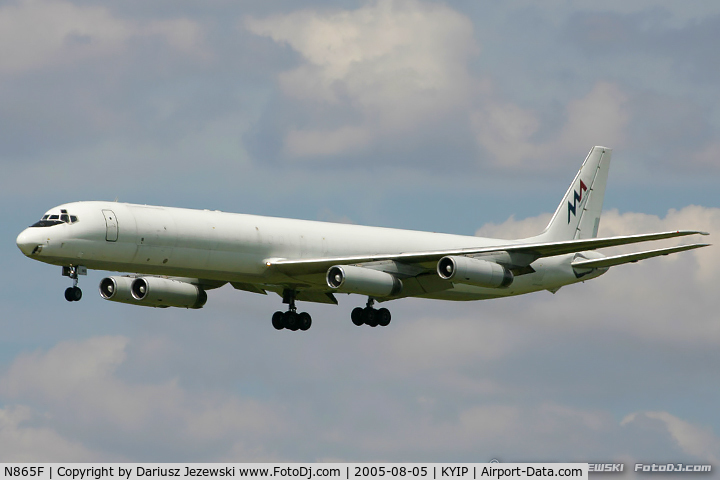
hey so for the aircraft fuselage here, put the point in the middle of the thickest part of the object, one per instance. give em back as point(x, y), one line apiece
point(228, 247)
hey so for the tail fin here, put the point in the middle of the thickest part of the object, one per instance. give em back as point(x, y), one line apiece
point(578, 215)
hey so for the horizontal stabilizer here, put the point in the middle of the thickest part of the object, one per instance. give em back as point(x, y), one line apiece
point(560, 248)
point(633, 257)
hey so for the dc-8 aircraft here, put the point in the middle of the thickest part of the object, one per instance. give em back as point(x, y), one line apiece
point(175, 255)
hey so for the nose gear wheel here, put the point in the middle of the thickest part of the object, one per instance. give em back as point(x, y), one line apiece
point(73, 294)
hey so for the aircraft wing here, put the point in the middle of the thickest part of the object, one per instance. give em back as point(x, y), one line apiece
point(633, 257)
point(534, 251)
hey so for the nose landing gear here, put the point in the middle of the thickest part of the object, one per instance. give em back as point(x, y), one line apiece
point(73, 294)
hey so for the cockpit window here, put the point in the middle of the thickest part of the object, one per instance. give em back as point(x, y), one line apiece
point(46, 223)
point(55, 219)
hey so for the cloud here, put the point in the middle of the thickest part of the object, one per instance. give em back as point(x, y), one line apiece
point(392, 68)
point(512, 228)
point(77, 384)
point(700, 442)
point(38, 33)
point(394, 80)
point(508, 132)
point(22, 443)
point(396, 64)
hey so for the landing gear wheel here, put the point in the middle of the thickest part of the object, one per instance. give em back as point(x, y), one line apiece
point(370, 316)
point(304, 321)
point(357, 316)
point(291, 320)
point(73, 294)
point(277, 320)
point(383, 317)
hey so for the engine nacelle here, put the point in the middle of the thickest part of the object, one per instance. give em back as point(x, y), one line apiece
point(163, 292)
point(365, 281)
point(117, 289)
point(152, 292)
point(472, 271)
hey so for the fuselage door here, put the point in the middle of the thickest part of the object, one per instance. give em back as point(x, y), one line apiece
point(111, 232)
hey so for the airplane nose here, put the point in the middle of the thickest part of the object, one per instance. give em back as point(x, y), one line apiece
point(26, 243)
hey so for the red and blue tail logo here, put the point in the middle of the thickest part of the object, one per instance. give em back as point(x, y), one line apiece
point(576, 198)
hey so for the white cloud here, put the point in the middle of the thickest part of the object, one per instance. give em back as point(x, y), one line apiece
point(512, 228)
point(396, 63)
point(401, 65)
point(22, 443)
point(510, 432)
point(507, 131)
point(693, 217)
point(76, 382)
point(599, 118)
point(37, 33)
point(694, 440)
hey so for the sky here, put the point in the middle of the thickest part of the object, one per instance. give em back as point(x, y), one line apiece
point(464, 117)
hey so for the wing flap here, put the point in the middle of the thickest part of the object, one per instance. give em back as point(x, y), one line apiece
point(633, 257)
point(248, 287)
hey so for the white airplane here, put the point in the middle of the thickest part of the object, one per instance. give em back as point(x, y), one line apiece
point(176, 254)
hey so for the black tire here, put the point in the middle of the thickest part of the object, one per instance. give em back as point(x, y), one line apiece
point(69, 294)
point(383, 317)
point(304, 321)
point(77, 294)
point(370, 316)
point(277, 321)
point(357, 316)
point(291, 320)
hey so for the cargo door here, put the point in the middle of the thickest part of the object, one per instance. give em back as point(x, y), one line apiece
point(111, 226)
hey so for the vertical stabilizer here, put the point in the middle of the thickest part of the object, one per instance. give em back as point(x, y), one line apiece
point(578, 215)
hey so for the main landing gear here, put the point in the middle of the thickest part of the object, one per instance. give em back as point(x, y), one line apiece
point(291, 319)
point(73, 294)
point(369, 316)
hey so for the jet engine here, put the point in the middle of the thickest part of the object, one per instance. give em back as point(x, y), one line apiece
point(472, 271)
point(152, 292)
point(365, 281)
point(163, 292)
point(117, 289)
